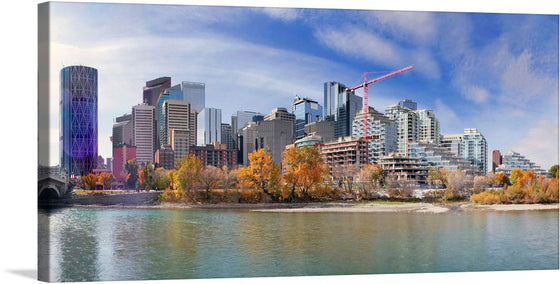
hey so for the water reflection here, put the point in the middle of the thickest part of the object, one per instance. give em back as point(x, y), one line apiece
point(131, 244)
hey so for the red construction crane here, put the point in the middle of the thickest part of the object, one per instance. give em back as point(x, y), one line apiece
point(365, 85)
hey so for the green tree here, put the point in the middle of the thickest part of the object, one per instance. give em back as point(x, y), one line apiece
point(515, 176)
point(554, 171)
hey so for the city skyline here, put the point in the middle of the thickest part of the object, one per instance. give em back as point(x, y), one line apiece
point(496, 78)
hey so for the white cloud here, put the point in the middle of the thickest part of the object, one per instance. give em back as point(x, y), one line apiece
point(283, 14)
point(476, 94)
point(540, 143)
point(420, 27)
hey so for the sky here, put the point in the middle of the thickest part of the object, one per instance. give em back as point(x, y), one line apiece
point(494, 72)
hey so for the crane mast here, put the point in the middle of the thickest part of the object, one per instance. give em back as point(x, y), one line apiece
point(365, 86)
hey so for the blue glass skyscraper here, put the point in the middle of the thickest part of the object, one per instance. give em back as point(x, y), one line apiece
point(306, 111)
point(78, 119)
point(340, 107)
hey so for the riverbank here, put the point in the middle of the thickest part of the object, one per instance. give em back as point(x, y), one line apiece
point(339, 207)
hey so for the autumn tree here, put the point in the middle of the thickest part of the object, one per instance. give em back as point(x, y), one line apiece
point(230, 178)
point(515, 175)
point(160, 179)
point(106, 179)
point(89, 181)
point(210, 178)
point(141, 178)
point(500, 178)
point(261, 173)
point(131, 178)
point(304, 171)
point(437, 176)
point(372, 175)
point(187, 175)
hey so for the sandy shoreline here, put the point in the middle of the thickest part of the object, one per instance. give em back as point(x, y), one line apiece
point(341, 207)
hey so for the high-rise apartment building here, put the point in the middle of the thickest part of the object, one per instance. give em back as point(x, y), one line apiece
point(195, 94)
point(306, 111)
point(407, 122)
point(78, 119)
point(341, 107)
point(473, 148)
point(209, 126)
point(382, 133)
point(143, 117)
point(428, 126)
point(215, 154)
point(513, 159)
point(440, 157)
point(452, 142)
point(345, 155)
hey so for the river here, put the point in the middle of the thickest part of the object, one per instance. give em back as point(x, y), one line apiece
point(100, 244)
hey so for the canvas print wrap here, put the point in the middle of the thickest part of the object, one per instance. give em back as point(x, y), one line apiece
point(188, 142)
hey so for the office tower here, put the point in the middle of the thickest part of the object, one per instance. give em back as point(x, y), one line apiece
point(194, 93)
point(143, 116)
point(323, 128)
point(241, 117)
point(78, 119)
point(122, 131)
point(246, 142)
point(209, 126)
point(407, 123)
point(496, 159)
point(275, 132)
point(306, 111)
point(154, 88)
point(473, 148)
point(340, 107)
point(382, 133)
point(428, 126)
point(227, 136)
point(173, 93)
point(176, 115)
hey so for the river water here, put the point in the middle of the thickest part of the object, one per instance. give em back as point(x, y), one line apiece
point(88, 244)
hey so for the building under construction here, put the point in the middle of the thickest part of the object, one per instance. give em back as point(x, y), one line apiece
point(344, 153)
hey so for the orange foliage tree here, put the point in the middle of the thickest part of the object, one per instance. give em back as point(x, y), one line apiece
point(89, 181)
point(141, 178)
point(304, 171)
point(261, 173)
point(106, 179)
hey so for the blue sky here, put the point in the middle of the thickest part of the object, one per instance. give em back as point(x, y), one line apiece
point(494, 72)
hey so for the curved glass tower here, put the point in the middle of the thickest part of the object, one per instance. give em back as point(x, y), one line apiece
point(78, 119)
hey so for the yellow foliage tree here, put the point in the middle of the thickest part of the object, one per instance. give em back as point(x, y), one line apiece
point(261, 173)
point(89, 181)
point(187, 175)
point(106, 179)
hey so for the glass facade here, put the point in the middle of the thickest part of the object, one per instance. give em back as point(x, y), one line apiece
point(78, 119)
point(340, 107)
point(194, 93)
point(306, 111)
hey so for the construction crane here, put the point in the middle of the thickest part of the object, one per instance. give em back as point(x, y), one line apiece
point(365, 86)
